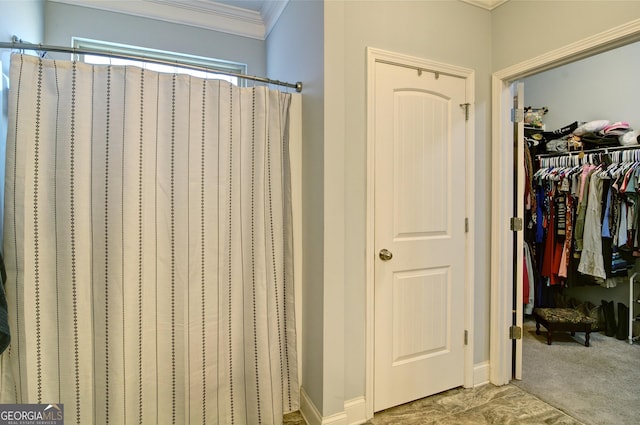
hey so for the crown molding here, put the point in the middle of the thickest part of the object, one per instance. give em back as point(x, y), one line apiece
point(270, 12)
point(485, 4)
point(205, 14)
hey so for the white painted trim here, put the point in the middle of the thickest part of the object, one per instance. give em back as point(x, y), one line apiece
point(197, 13)
point(500, 355)
point(354, 412)
point(308, 410)
point(481, 372)
point(295, 157)
point(485, 4)
point(501, 242)
point(517, 90)
point(339, 418)
point(270, 12)
point(469, 282)
point(374, 54)
point(598, 43)
point(369, 238)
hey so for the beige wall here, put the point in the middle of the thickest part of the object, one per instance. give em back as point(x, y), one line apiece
point(524, 29)
point(446, 31)
point(64, 21)
point(295, 52)
point(22, 18)
point(334, 161)
point(323, 44)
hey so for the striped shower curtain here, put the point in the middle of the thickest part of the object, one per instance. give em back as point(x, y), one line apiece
point(148, 247)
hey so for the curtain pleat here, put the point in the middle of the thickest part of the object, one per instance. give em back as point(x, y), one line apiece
point(148, 247)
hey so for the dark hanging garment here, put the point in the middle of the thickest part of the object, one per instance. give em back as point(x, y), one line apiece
point(552, 249)
point(5, 335)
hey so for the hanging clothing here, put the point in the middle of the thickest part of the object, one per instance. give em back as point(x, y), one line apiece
point(566, 248)
point(582, 206)
point(591, 261)
point(586, 210)
point(5, 333)
point(529, 284)
point(555, 235)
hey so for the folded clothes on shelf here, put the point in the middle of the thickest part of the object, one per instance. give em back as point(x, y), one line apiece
point(584, 135)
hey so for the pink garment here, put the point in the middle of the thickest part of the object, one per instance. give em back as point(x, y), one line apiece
point(586, 169)
point(623, 188)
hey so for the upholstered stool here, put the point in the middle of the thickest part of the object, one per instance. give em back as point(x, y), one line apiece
point(563, 319)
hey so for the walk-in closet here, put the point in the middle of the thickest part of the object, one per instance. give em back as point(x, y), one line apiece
point(601, 89)
point(582, 230)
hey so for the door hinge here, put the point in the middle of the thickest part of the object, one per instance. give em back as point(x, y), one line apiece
point(517, 115)
point(466, 110)
point(466, 224)
point(515, 332)
point(516, 224)
point(466, 337)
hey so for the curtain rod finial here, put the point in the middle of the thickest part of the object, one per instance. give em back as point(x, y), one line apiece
point(299, 86)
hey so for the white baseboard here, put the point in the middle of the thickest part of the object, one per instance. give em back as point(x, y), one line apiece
point(481, 374)
point(308, 410)
point(355, 411)
point(312, 416)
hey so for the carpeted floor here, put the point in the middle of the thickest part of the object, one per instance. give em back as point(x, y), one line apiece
point(598, 385)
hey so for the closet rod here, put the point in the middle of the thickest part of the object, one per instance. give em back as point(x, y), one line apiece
point(76, 51)
point(587, 151)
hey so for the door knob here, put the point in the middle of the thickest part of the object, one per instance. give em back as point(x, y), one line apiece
point(385, 255)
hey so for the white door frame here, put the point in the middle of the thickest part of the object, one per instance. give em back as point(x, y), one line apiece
point(374, 55)
point(500, 353)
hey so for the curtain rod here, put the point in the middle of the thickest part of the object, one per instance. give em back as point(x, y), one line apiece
point(77, 51)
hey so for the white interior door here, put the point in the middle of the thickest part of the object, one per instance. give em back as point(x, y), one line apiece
point(517, 93)
point(420, 187)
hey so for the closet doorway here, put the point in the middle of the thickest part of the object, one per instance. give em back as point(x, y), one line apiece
point(506, 313)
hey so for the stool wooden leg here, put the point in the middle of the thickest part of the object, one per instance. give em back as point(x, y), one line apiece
point(587, 335)
point(548, 336)
point(537, 328)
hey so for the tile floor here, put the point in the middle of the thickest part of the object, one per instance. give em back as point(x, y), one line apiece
point(487, 404)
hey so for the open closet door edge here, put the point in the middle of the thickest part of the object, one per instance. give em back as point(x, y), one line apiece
point(517, 89)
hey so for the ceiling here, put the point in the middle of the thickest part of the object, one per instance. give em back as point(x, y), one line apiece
point(248, 18)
